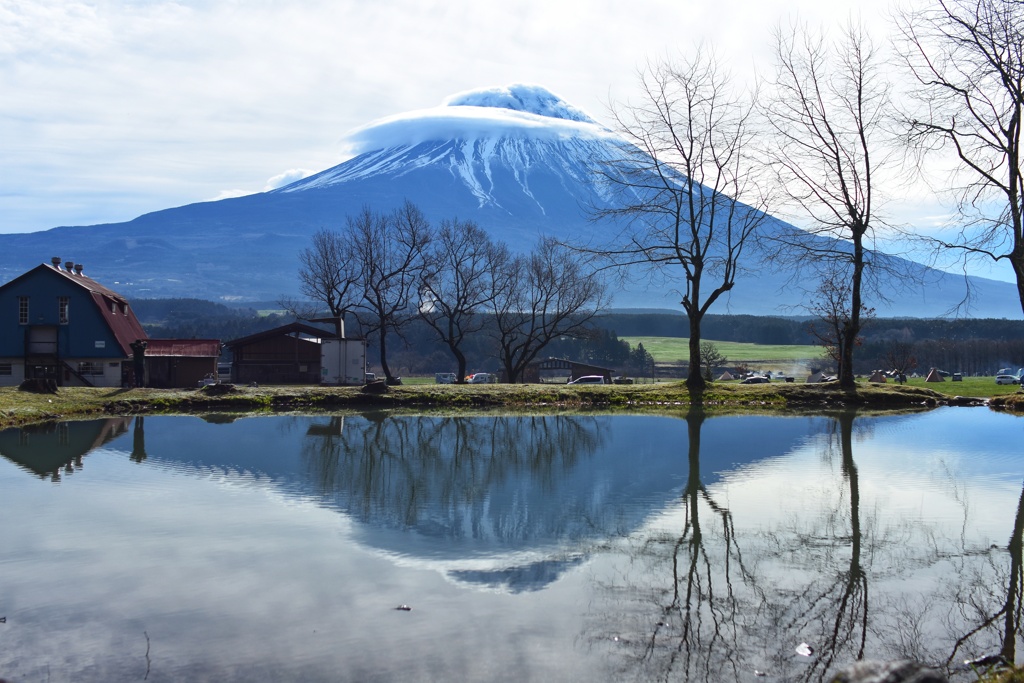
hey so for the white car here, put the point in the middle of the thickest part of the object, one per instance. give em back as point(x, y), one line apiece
point(481, 378)
point(589, 379)
point(1007, 379)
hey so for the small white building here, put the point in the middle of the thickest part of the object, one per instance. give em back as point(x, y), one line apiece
point(342, 361)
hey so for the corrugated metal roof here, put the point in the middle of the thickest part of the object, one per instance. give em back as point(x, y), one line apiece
point(122, 321)
point(291, 328)
point(183, 347)
point(87, 282)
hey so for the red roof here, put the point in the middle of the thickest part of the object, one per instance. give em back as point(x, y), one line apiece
point(209, 348)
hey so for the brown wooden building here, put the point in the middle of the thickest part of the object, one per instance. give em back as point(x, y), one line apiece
point(180, 362)
point(284, 355)
point(558, 369)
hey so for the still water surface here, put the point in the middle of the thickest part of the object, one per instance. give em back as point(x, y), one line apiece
point(529, 548)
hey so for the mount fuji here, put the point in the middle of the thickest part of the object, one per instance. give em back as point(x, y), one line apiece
point(518, 161)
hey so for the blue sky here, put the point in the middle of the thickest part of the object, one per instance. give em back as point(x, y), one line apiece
point(113, 108)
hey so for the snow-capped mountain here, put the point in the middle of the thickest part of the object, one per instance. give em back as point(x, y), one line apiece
point(518, 160)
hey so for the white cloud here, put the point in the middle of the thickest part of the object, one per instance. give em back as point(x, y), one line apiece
point(464, 122)
point(169, 101)
point(230, 194)
point(286, 178)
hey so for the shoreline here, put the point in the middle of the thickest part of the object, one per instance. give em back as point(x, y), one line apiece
point(19, 408)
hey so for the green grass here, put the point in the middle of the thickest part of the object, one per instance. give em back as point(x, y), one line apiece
point(18, 408)
point(674, 349)
point(974, 387)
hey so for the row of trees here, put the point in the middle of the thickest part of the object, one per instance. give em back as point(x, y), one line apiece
point(695, 186)
point(390, 268)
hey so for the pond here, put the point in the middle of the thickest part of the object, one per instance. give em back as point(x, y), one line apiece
point(395, 547)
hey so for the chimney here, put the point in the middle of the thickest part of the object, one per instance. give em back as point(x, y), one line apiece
point(78, 269)
point(55, 261)
point(70, 265)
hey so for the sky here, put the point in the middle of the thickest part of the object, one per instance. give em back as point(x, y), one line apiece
point(114, 108)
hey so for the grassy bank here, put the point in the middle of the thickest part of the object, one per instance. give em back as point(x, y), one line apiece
point(19, 407)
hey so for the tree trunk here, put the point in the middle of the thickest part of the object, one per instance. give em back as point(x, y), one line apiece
point(694, 377)
point(851, 330)
point(460, 359)
point(383, 355)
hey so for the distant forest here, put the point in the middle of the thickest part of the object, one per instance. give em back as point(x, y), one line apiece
point(971, 346)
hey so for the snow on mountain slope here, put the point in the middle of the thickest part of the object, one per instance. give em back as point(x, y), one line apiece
point(525, 131)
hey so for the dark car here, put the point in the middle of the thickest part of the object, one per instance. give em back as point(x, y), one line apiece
point(756, 380)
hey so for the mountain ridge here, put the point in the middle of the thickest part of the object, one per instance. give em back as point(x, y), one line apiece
point(518, 161)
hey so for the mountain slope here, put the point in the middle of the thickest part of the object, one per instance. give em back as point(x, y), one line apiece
point(516, 160)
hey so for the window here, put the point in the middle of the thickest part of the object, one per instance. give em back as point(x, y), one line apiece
point(6, 369)
point(86, 367)
point(23, 310)
point(63, 302)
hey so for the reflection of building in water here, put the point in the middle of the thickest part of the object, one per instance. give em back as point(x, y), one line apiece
point(55, 447)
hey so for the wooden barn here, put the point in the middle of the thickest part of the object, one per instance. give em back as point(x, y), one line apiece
point(180, 362)
point(289, 354)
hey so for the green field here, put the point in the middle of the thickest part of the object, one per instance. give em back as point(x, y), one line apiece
point(676, 349)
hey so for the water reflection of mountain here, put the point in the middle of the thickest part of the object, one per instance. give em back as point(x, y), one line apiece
point(509, 501)
point(476, 487)
point(56, 448)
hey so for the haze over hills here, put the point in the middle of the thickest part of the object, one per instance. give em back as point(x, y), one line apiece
point(519, 161)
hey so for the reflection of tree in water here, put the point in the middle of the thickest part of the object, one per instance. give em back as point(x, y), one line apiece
point(985, 615)
point(833, 610)
point(479, 477)
point(696, 631)
point(733, 606)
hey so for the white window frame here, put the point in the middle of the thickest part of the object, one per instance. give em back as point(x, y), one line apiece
point(90, 367)
point(63, 309)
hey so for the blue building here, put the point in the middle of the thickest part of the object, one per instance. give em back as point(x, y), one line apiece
point(57, 323)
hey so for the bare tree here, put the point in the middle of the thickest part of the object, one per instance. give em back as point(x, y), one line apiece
point(459, 284)
point(899, 355)
point(328, 275)
point(389, 250)
point(550, 293)
point(710, 357)
point(830, 304)
point(828, 110)
point(968, 59)
point(681, 183)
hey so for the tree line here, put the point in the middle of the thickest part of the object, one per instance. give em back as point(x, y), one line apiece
point(388, 270)
point(972, 346)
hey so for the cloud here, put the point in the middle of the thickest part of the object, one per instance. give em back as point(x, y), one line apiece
point(287, 178)
point(230, 194)
point(461, 122)
point(168, 101)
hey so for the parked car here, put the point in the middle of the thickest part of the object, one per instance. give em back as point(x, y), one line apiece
point(444, 378)
point(756, 380)
point(589, 379)
point(481, 378)
point(1007, 379)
